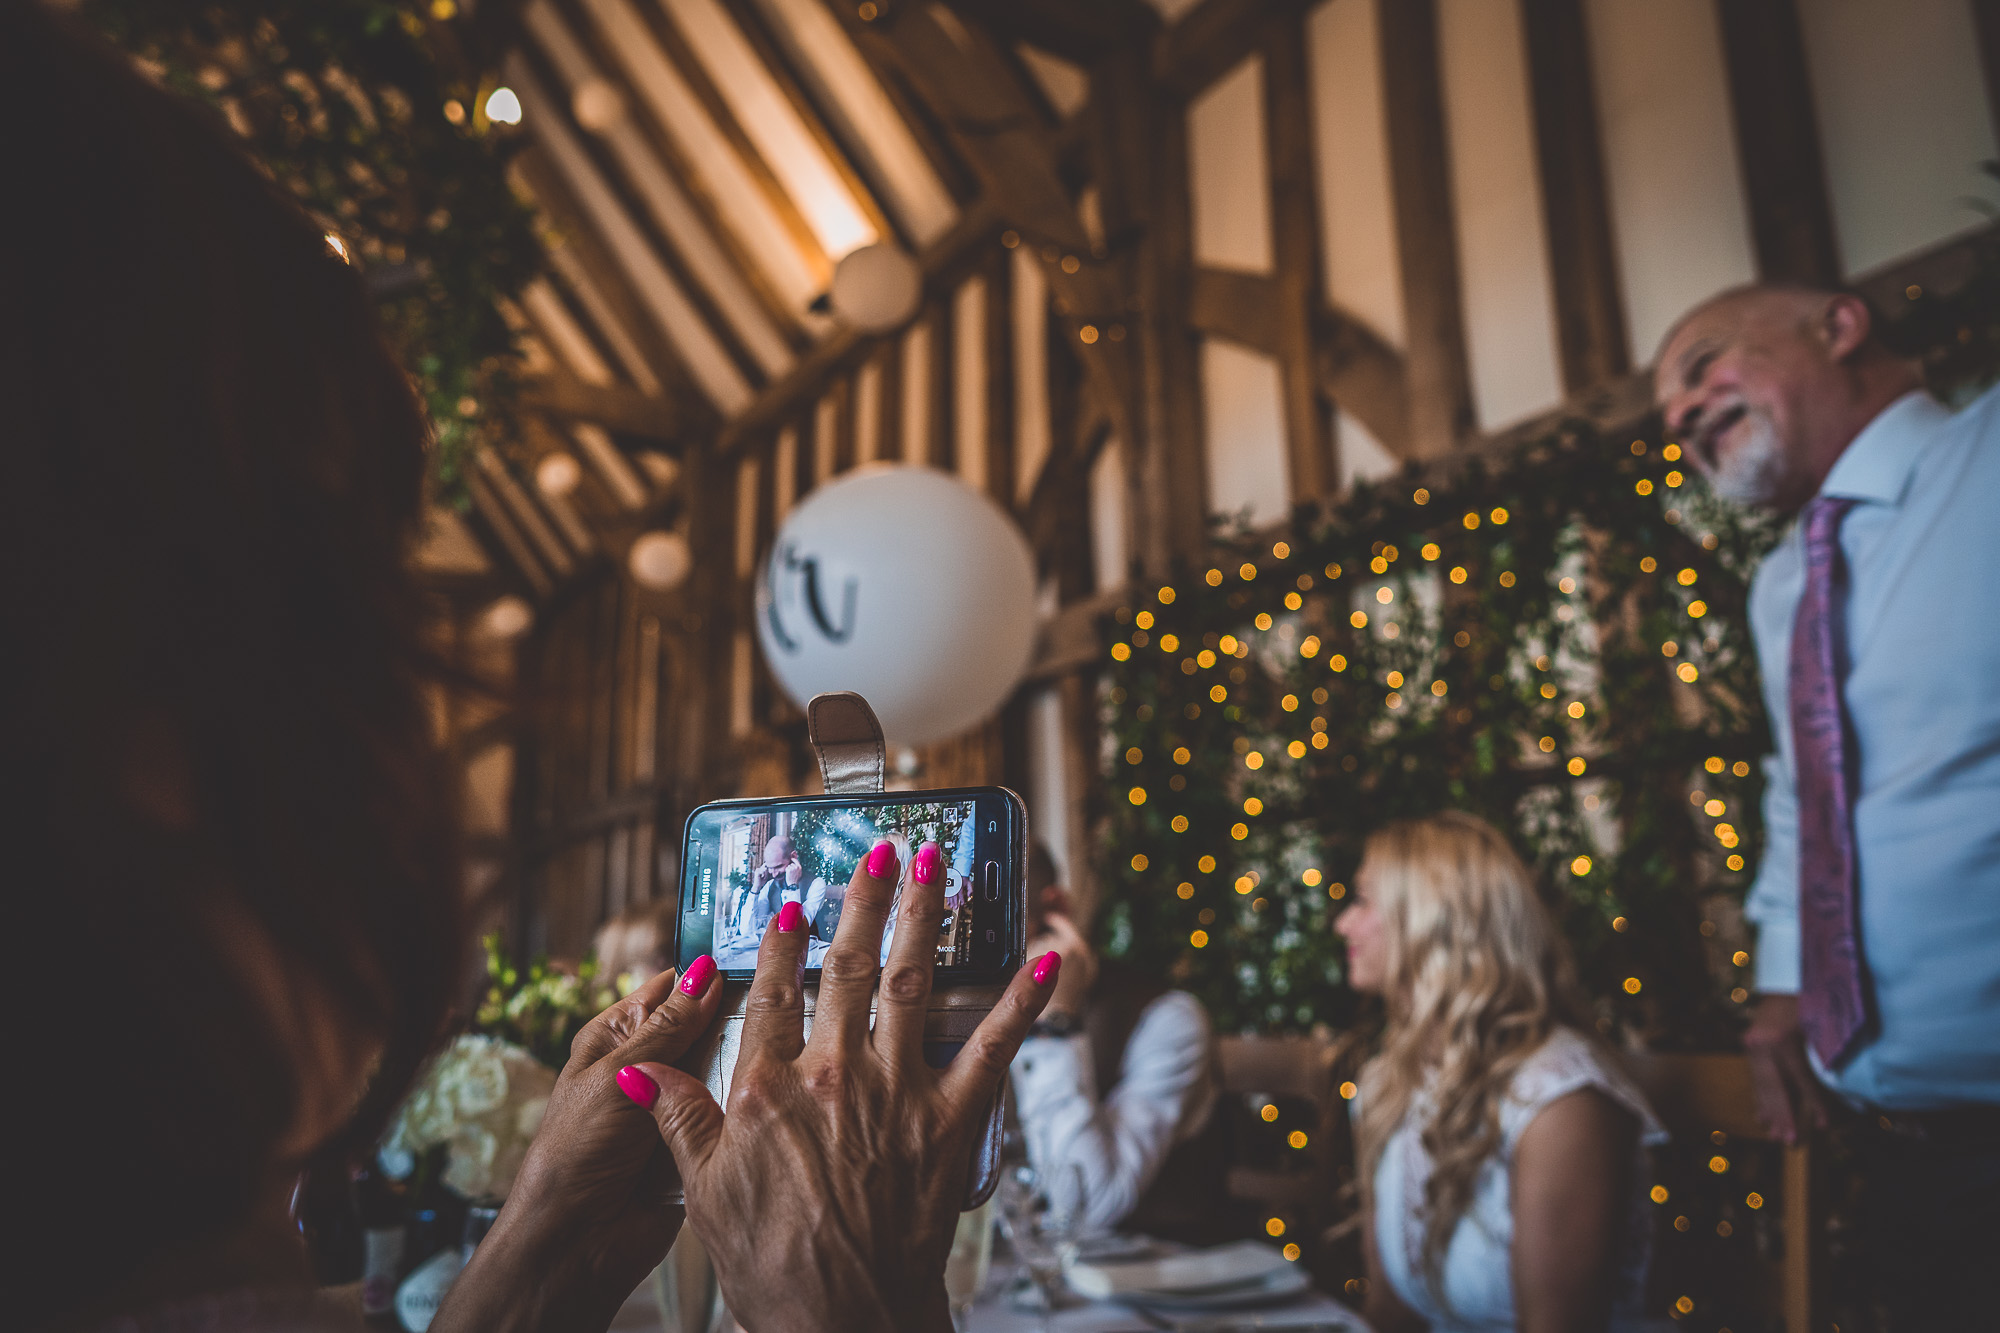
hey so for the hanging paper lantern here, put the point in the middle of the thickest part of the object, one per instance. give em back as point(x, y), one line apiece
point(660, 560)
point(877, 288)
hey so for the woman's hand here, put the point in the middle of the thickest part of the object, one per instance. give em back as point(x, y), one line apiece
point(588, 1217)
point(828, 1194)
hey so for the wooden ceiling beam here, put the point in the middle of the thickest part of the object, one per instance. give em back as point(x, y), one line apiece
point(614, 407)
point(959, 71)
point(778, 65)
point(1295, 232)
point(1080, 31)
point(1212, 38)
point(943, 264)
point(1363, 375)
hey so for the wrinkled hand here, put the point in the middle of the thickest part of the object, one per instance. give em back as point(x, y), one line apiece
point(795, 870)
point(588, 1217)
point(1079, 962)
point(828, 1194)
point(1789, 1098)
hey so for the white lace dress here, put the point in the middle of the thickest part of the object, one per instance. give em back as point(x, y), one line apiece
point(1478, 1286)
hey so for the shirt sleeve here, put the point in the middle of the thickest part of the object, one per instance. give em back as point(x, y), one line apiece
point(1109, 1149)
point(1773, 904)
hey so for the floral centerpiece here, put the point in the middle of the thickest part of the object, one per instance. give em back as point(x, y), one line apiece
point(470, 1118)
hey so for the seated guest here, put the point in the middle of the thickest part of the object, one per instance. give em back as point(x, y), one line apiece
point(1499, 1145)
point(1149, 1049)
point(219, 766)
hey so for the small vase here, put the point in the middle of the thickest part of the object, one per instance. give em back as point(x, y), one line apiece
point(417, 1300)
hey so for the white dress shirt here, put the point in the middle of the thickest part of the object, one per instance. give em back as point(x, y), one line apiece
point(1922, 693)
point(1476, 1290)
point(1164, 1093)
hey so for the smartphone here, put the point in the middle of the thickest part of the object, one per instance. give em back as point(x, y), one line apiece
point(741, 861)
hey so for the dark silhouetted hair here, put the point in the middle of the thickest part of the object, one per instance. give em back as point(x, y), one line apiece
point(213, 676)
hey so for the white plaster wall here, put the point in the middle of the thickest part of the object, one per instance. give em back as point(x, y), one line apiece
point(1110, 550)
point(1229, 183)
point(968, 380)
point(1502, 255)
point(1362, 457)
point(1245, 432)
point(1904, 122)
point(1031, 369)
point(1678, 213)
point(1359, 259)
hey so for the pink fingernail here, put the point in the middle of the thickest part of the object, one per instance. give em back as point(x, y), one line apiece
point(924, 867)
point(882, 861)
point(1046, 968)
point(635, 1084)
point(790, 917)
point(695, 980)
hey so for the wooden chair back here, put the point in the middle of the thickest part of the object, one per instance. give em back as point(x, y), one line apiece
point(1301, 1068)
point(1694, 1095)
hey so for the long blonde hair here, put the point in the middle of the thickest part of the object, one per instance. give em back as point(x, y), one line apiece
point(1476, 979)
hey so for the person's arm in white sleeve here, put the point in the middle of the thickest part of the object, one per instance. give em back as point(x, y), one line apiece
point(1112, 1147)
point(1773, 903)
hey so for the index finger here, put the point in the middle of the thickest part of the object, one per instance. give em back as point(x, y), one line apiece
point(621, 1018)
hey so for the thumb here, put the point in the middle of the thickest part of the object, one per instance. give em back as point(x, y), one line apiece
point(686, 1115)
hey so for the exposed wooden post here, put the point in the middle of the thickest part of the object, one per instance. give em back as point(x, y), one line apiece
point(1139, 147)
point(998, 271)
point(1437, 373)
point(1315, 474)
point(1590, 312)
point(1777, 138)
point(1986, 19)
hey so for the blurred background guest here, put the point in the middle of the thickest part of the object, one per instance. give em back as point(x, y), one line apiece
point(1149, 1049)
point(636, 944)
point(1499, 1145)
point(1878, 900)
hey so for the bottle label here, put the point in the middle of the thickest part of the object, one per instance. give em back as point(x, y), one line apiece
point(382, 1256)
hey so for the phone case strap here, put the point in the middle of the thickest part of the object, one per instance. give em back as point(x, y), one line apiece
point(847, 738)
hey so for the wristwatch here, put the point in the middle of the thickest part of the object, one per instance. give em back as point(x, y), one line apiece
point(1056, 1025)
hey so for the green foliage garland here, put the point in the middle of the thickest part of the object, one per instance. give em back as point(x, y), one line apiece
point(1429, 648)
point(355, 107)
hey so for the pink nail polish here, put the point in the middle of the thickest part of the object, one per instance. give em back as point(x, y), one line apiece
point(790, 917)
point(882, 861)
point(695, 980)
point(635, 1084)
point(1046, 968)
point(924, 866)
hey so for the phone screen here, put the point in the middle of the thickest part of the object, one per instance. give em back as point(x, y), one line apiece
point(744, 860)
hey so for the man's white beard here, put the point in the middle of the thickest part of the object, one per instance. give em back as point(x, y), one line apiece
point(1753, 472)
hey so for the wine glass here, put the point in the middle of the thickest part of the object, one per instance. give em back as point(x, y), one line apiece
point(1041, 1215)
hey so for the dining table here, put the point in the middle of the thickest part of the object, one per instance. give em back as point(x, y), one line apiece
point(997, 1310)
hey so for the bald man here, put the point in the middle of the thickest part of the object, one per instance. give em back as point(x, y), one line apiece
point(1877, 621)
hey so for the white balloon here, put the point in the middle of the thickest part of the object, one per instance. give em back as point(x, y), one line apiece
point(907, 586)
point(660, 560)
point(877, 287)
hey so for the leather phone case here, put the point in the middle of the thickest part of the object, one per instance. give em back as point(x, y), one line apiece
point(847, 739)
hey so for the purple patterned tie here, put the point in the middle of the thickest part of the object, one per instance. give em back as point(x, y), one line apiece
point(1833, 1004)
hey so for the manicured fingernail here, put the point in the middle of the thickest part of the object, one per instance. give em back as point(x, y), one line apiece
point(695, 980)
point(1046, 968)
point(882, 861)
point(635, 1084)
point(924, 866)
point(790, 917)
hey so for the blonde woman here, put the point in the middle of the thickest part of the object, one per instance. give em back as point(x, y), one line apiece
point(1499, 1145)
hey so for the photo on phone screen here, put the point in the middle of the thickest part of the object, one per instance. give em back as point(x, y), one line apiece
point(746, 863)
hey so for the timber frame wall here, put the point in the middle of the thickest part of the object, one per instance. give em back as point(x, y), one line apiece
point(635, 706)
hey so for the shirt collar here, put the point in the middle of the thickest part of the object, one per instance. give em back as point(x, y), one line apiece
point(1877, 463)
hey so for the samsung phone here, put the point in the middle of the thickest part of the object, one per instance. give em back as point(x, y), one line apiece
point(741, 861)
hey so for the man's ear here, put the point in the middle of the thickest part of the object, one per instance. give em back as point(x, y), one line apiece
point(1846, 326)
